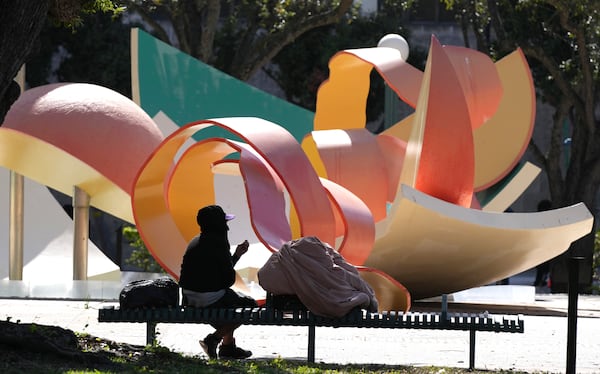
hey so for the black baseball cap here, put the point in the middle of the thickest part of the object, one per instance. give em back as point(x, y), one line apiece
point(212, 214)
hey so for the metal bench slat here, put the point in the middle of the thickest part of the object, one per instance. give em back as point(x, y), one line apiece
point(356, 318)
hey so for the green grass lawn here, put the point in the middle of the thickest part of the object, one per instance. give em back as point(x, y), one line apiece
point(32, 348)
point(95, 355)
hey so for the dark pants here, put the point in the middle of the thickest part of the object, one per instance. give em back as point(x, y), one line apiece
point(233, 299)
point(230, 299)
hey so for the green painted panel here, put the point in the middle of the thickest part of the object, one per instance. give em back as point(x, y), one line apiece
point(490, 193)
point(188, 90)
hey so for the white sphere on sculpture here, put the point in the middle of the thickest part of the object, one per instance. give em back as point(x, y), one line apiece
point(397, 42)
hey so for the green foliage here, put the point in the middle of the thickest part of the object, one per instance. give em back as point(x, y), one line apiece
point(239, 37)
point(97, 52)
point(536, 23)
point(33, 328)
point(68, 13)
point(596, 262)
point(552, 27)
point(156, 349)
point(106, 6)
point(140, 257)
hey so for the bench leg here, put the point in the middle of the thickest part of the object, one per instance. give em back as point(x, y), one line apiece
point(471, 349)
point(311, 343)
point(150, 333)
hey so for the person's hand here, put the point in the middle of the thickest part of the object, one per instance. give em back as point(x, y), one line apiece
point(241, 248)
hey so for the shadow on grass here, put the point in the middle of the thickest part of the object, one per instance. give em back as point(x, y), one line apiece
point(31, 348)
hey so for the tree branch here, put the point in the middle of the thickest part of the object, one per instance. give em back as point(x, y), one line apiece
point(267, 47)
point(587, 94)
point(21, 22)
point(209, 27)
point(156, 27)
point(536, 52)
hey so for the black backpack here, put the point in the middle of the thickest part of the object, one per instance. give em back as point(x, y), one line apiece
point(161, 292)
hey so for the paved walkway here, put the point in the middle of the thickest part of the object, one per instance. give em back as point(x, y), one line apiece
point(542, 348)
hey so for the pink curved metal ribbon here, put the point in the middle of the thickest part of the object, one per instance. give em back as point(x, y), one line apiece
point(479, 80)
point(393, 151)
point(348, 153)
point(276, 148)
point(359, 226)
point(444, 152)
point(266, 201)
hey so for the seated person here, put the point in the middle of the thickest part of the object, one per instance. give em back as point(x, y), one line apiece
point(207, 274)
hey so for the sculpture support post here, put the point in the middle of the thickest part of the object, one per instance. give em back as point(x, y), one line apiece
point(16, 212)
point(15, 235)
point(81, 215)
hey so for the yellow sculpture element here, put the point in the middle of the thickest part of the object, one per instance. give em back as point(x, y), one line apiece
point(434, 247)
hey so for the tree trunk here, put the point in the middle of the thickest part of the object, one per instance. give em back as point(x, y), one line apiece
point(209, 29)
point(20, 23)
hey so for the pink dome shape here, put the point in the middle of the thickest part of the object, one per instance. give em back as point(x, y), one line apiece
point(96, 125)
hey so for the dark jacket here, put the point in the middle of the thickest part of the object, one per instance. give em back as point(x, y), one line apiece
point(207, 263)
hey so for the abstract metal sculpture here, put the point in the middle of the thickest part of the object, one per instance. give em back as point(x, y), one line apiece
point(400, 205)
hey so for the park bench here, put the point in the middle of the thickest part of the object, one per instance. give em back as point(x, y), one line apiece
point(274, 314)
